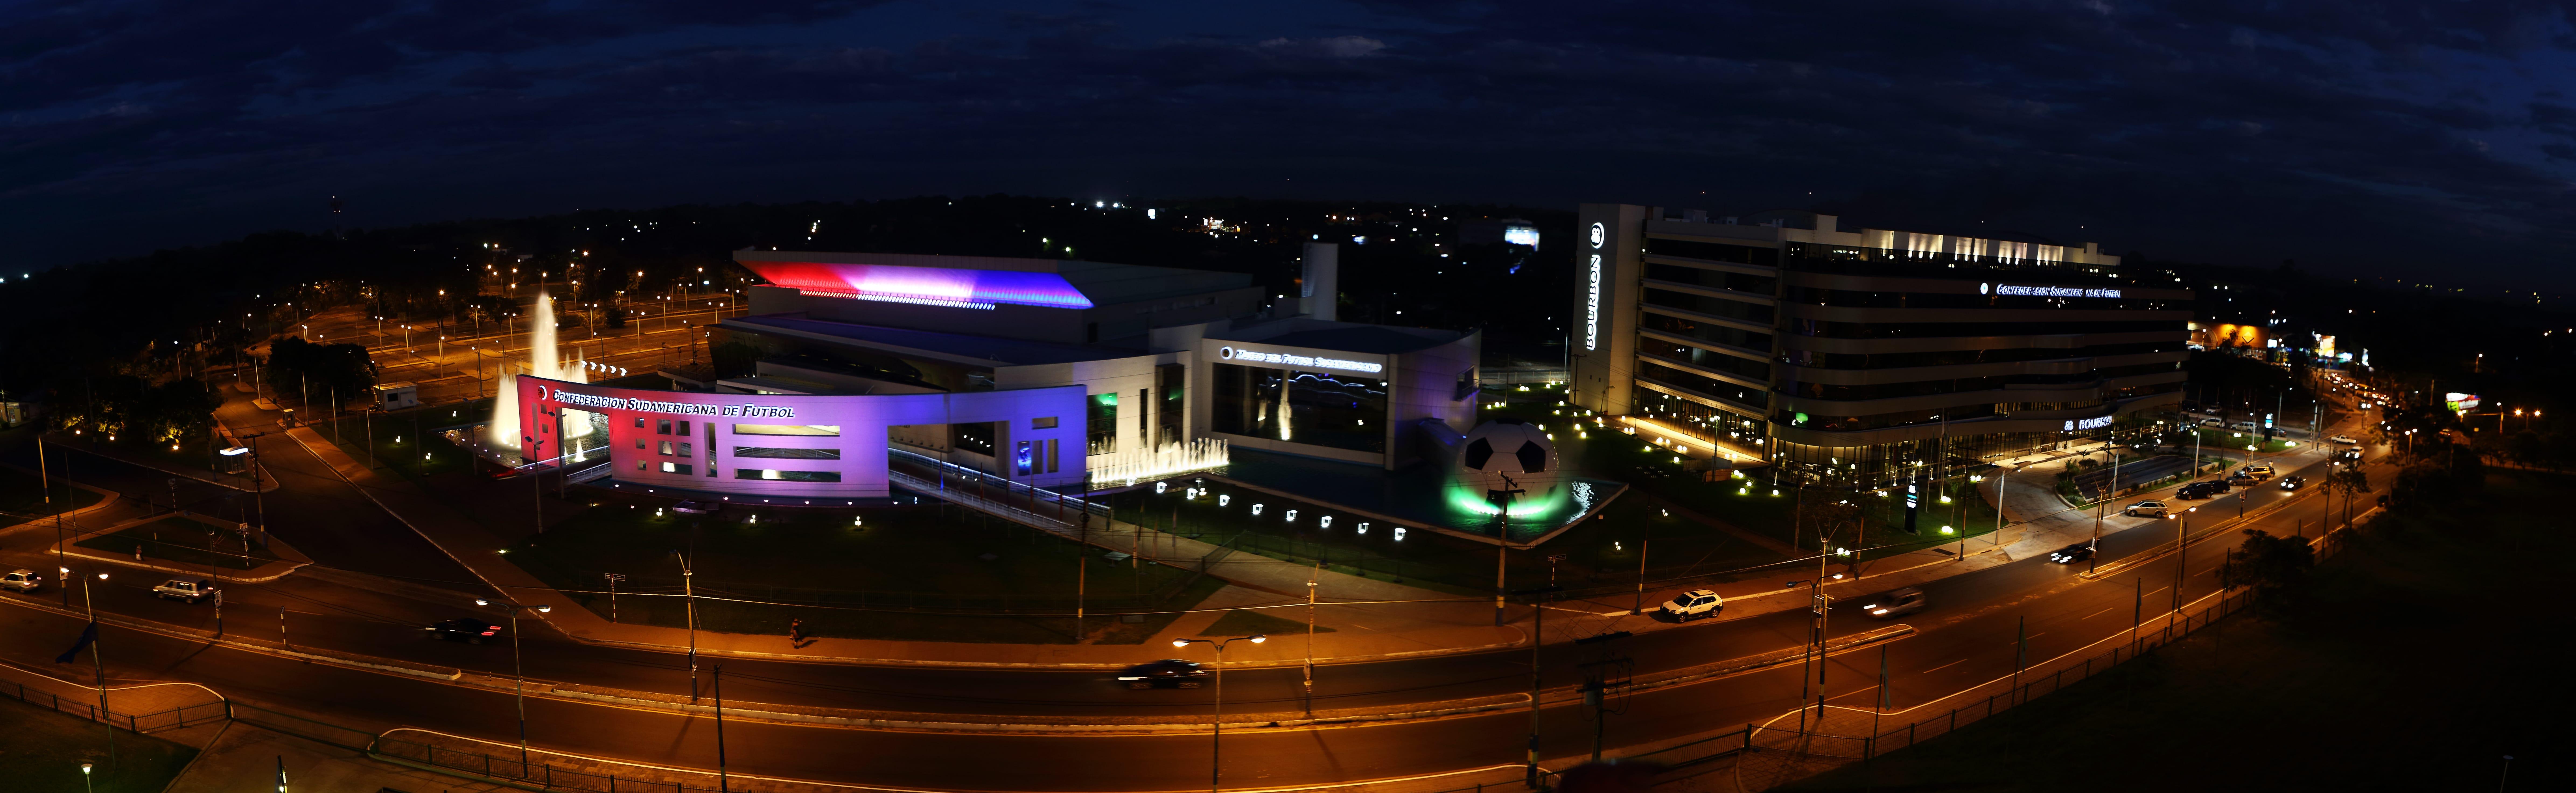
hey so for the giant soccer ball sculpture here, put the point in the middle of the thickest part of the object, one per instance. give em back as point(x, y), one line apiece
point(1505, 455)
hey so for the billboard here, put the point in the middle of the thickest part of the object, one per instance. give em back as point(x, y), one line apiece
point(2459, 402)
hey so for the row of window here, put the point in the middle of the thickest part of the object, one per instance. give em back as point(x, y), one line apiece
point(1907, 360)
point(1715, 252)
point(685, 469)
point(1713, 279)
point(1943, 330)
point(1710, 387)
point(681, 427)
point(1958, 385)
point(1706, 331)
point(1737, 310)
point(1757, 371)
point(1855, 299)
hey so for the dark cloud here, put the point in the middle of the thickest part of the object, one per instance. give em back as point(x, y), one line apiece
point(2377, 136)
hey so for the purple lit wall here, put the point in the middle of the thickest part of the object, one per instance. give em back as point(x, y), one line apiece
point(932, 285)
point(784, 445)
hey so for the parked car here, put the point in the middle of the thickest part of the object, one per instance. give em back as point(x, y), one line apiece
point(22, 580)
point(2145, 509)
point(2258, 470)
point(2212, 423)
point(1694, 604)
point(1166, 673)
point(463, 629)
point(2242, 479)
point(1891, 603)
point(698, 507)
point(2244, 426)
point(2072, 553)
point(2346, 440)
point(188, 589)
point(2208, 489)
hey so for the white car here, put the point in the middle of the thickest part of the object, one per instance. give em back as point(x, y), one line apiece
point(2343, 439)
point(21, 581)
point(188, 589)
point(2145, 509)
point(1694, 604)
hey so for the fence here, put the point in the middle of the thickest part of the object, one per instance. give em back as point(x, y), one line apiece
point(88, 708)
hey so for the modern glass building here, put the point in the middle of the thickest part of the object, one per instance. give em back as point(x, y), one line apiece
point(1865, 356)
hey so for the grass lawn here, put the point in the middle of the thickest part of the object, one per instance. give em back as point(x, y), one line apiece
point(908, 573)
point(1600, 554)
point(44, 750)
point(182, 540)
point(23, 494)
point(397, 439)
point(2355, 682)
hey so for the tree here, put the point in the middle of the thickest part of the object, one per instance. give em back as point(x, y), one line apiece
point(2267, 563)
point(2348, 481)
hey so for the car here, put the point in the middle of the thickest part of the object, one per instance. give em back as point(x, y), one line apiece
point(2242, 479)
point(698, 507)
point(1891, 603)
point(188, 589)
point(1694, 604)
point(462, 629)
point(2293, 482)
point(22, 580)
point(2257, 470)
point(2212, 423)
point(1166, 673)
point(2353, 455)
point(2072, 553)
point(2207, 489)
point(2145, 509)
point(2244, 426)
point(2346, 440)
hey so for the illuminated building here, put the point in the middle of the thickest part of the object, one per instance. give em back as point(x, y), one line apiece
point(1041, 370)
point(1860, 354)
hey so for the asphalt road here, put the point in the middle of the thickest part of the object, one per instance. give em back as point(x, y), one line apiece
point(1966, 637)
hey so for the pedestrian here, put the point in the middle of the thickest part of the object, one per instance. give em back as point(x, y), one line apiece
point(796, 633)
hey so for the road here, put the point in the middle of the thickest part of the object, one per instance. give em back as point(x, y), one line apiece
point(1965, 638)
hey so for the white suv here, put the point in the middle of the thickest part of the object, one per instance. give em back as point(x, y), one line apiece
point(1694, 604)
point(2145, 509)
point(21, 581)
point(188, 589)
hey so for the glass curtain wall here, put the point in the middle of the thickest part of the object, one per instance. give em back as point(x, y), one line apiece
point(1338, 411)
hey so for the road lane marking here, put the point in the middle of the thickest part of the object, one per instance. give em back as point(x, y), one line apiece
point(1945, 666)
point(2099, 613)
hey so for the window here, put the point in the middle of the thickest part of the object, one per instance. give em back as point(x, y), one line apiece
point(661, 426)
point(639, 444)
point(639, 465)
point(773, 453)
point(684, 450)
point(683, 428)
point(676, 468)
point(973, 436)
point(787, 476)
point(828, 430)
point(1102, 428)
point(1046, 423)
point(1171, 378)
point(666, 449)
point(639, 422)
point(1301, 407)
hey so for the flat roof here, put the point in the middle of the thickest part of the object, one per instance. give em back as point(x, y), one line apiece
point(1344, 336)
point(1036, 282)
point(953, 346)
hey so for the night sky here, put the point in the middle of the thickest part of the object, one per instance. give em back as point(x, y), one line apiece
point(2425, 139)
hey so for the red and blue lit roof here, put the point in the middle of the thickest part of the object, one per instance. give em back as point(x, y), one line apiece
point(938, 286)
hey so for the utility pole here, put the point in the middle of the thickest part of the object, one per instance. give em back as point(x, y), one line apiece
point(1538, 642)
point(1311, 581)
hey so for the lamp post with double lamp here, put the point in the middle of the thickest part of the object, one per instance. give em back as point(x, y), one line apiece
point(2182, 528)
point(1216, 733)
point(689, 596)
point(519, 691)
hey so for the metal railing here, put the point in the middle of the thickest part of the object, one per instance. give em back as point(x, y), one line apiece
point(87, 708)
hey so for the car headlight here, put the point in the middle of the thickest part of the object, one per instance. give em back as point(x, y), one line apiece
point(1880, 611)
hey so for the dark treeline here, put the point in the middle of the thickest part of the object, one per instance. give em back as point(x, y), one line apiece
point(180, 311)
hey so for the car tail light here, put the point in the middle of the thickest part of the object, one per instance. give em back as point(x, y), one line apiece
point(490, 631)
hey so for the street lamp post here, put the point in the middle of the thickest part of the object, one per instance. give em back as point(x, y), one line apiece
point(98, 663)
point(1216, 734)
point(519, 689)
point(689, 595)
